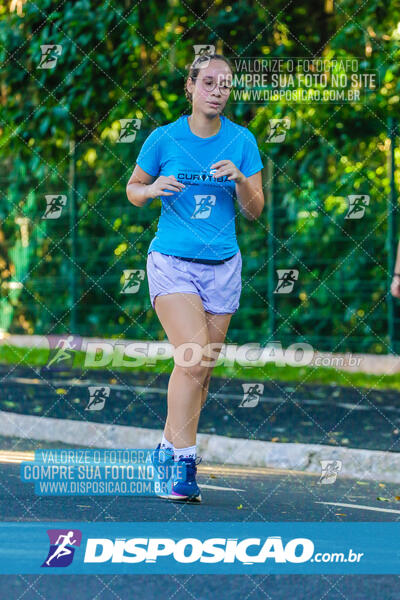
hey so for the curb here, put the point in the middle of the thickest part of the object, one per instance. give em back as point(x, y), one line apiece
point(373, 465)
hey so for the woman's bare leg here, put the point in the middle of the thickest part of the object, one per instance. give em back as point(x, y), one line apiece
point(217, 329)
point(184, 320)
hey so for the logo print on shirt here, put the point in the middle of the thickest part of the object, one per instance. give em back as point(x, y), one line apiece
point(198, 178)
point(204, 203)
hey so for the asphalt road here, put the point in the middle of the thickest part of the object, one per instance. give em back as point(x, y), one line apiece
point(229, 494)
point(286, 412)
point(251, 495)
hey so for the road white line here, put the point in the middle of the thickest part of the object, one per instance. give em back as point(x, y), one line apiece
point(219, 487)
point(362, 506)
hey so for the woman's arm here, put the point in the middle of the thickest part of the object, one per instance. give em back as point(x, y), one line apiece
point(249, 190)
point(395, 287)
point(137, 188)
point(142, 187)
point(250, 196)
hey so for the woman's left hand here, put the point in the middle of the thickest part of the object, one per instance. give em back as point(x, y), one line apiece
point(226, 167)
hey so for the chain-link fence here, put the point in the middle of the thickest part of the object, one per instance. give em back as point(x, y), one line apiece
point(316, 265)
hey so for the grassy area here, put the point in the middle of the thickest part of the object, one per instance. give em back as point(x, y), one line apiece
point(308, 375)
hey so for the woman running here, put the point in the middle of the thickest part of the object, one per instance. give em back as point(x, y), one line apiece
point(197, 164)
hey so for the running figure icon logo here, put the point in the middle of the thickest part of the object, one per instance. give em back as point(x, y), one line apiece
point(50, 56)
point(61, 551)
point(251, 394)
point(357, 204)
point(278, 129)
point(132, 280)
point(63, 351)
point(203, 206)
point(54, 206)
point(329, 471)
point(129, 128)
point(98, 397)
point(203, 50)
point(287, 279)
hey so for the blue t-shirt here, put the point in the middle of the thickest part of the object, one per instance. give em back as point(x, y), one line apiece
point(198, 222)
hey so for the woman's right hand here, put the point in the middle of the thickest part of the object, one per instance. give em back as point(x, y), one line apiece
point(162, 183)
point(395, 287)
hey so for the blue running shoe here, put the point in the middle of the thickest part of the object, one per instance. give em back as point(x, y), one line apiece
point(162, 457)
point(186, 490)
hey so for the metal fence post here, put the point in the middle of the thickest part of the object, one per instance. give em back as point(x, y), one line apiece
point(271, 247)
point(72, 233)
point(391, 232)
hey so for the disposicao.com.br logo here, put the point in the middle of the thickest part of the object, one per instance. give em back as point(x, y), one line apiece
point(211, 550)
point(62, 547)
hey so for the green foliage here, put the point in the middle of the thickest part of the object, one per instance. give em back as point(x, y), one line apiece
point(124, 60)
